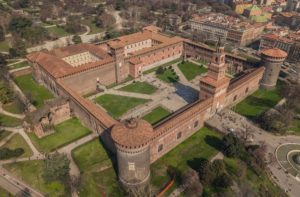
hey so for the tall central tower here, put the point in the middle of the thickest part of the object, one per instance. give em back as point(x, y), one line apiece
point(214, 84)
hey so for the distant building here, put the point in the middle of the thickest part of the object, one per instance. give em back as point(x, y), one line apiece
point(174, 19)
point(240, 6)
point(231, 29)
point(292, 5)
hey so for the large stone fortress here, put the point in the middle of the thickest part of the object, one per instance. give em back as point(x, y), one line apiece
point(80, 69)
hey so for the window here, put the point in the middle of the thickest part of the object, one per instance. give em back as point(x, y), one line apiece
point(196, 124)
point(160, 147)
point(247, 89)
point(235, 97)
point(131, 166)
point(179, 135)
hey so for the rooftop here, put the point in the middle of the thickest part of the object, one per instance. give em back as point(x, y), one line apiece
point(274, 53)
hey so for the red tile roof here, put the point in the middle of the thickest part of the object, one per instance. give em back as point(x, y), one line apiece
point(274, 53)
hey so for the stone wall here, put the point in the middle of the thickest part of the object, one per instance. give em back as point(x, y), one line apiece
point(85, 82)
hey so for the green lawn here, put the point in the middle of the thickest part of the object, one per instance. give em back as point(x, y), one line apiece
point(94, 29)
point(65, 133)
point(140, 87)
point(35, 92)
point(116, 105)
point(18, 65)
point(4, 134)
point(187, 154)
point(57, 31)
point(31, 172)
point(17, 141)
point(259, 102)
point(191, 70)
point(90, 158)
point(12, 107)
point(163, 65)
point(4, 193)
point(8, 121)
point(295, 127)
point(4, 47)
point(168, 76)
point(156, 115)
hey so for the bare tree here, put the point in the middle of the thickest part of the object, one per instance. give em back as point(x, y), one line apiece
point(246, 132)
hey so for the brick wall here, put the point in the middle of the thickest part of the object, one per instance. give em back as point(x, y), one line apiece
point(21, 72)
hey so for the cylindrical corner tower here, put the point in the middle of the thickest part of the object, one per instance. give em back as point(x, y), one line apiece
point(132, 138)
point(272, 60)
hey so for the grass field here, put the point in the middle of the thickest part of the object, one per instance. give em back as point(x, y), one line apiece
point(4, 134)
point(94, 29)
point(4, 193)
point(17, 141)
point(31, 172)
point(8, 121)
point(65, 133)
point(191, 70)
point(116, 105)
point(4, 47)
point(139, 87)
point(36, 93)
point(57, 31)
point(203, 144)
point(259, 102)
point(18, 65)
point(90, 158)
point(168, 76)
point(12, 107)
point(156, 115)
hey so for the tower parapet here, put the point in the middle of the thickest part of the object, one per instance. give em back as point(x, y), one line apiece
point(132, 139)
point(272, 60)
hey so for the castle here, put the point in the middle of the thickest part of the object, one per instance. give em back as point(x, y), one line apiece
point(76, 70)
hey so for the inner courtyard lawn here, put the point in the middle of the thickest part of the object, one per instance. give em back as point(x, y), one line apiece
point(259, 102)
point(65, 133)
point(203, 144)
point(17, 141)
point(168, 76)
point(156, 115)
point(31, 172)
point(36, 93)
point(163, 65)
point(90, 158)
point(8, 121)
point(139, 87)
point(191, 70)
point(117, 105)
point(18, 65)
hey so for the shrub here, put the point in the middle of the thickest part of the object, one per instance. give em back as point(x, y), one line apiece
point(6, 153)
point(224, 181)
point(160, 70)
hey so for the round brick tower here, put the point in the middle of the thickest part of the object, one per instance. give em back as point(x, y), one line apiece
point(132, 138)
point(272, 60)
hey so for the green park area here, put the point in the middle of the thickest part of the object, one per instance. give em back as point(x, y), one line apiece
point(31, 172)
point(36, 93)
point(98, 177)
point(89, 21)
point(259, 102)
point(4, 134)
point(64, 133)
point(4, 193)
point(202, 145)
point(4, 47)
point(156, 115)
point(167, 75)
point(117, 105)
point(17, 141)
point(8, 121)
point(139, 87)
point(57, 31)
point(12, 107)
point(18, 65)
point(191, 70)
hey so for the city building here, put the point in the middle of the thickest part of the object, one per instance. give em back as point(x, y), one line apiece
point(74, 71)
point(231, 29)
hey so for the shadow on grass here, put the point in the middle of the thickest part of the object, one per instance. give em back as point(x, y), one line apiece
point(214, 142)
point(195, 163)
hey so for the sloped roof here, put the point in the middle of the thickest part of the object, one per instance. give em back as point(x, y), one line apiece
point(274, 53)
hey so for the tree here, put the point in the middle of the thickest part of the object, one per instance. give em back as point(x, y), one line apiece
point(56, 168)
point(2, 34)
point(76, 39)
point(218, 166)
point(190, 180)
point(224, 181)
point(19, 23)
point(206, 173)
point(231, 146)
point(160, 70)
point(72, 25)
point(247, 132)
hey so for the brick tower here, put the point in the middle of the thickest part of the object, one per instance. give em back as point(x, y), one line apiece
point(117, 52)
point(215, 83)
point(132, 139)
point(272, 60)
